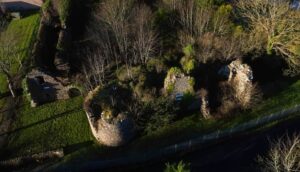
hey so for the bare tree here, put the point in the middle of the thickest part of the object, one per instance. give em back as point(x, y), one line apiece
point(284, 155)
point(10, 54)
point(193, 18)
point(144, 36)
point(122, 29)
point(207, 27)
point(95, 69)
point(211, 47)
point(274, 26)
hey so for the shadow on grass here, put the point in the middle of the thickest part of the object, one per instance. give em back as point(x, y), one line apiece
point(75, 147)
point(14, 108)
point(43, 121)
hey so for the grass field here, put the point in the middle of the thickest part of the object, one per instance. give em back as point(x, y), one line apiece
point(26, 29)
point(62, 124)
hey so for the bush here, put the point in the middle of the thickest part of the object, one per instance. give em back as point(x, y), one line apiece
point(188, 65)
point(64, 11)
point(180, 167)
point(174, 71)
point(189, 51)
point(160, 113)
point(168, 84)
point(170, 88)
point(156, 64)
point(124, 75)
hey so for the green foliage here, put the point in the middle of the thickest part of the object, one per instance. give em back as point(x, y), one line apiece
point(179, 167)
point(238, 31)
point(64, 10)
point(156, 64)
point(174, 71)
point(170, 88)
point(224, 10)
point(25, 90)
point(296, 50)
point(222, 15)
point(46, 5)
point(207, 3)
point(189, 51)
point(162, 112)
point(188, 64)
point(3, 83)
point(192, 81)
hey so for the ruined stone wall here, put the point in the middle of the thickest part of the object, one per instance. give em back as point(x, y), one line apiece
point(111, 133)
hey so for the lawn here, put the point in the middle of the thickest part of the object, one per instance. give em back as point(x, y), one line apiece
point(62, 124)
point(26, 29)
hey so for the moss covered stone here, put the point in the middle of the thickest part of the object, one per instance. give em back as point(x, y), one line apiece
point(177, 82)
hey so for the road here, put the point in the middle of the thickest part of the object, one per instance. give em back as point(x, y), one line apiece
point(234, 155)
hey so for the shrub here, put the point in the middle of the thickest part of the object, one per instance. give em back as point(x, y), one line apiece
point(188, 65)
point(169, 85)
point(156, 64)
point(160, 113)
point(180, 167)
point(189, 51)
point(174, 71)
point(64, 11)
point(192, 81)
point(170, 88)
point(46, 5)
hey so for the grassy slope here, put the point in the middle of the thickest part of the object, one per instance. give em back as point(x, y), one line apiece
point(27, 29)
point(61, 124)
point(193, 126)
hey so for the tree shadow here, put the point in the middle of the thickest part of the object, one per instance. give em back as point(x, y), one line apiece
point(43, 121)
point(74, 147)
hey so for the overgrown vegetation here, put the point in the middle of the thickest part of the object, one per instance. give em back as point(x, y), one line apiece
point(183, 44)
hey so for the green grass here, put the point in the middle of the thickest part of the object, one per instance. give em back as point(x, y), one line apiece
point(26, 29)
point(62, 124)
point(64, 8)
